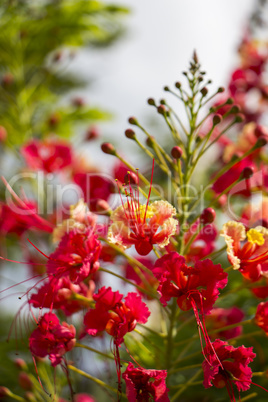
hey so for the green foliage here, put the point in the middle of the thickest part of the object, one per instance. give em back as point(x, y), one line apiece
point(37, 41)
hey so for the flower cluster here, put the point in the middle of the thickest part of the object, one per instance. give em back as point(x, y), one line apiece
point(165, 251)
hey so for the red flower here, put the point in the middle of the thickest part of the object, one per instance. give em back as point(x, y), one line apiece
point(192, 286)
point(50, 155)
point(76, 255)
point(142, 225)
point(222, 317)
point(251, 256)
point(95, 187)
point(204, 242)
point(145, 385)
point(20, 218)
point(114, 316)
point(261, 317)
point(60, 294)
point(229, 365)
point(51, 338)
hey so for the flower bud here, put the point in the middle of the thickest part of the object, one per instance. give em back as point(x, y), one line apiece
point(4, 391)
point(217, 119)
point(108, 148)
point(129, 133)
point(239, 118)
point(235, 109)
point(20, 364)
point(178, 85)
point(103, 207)
point(150, 141)
point(166, 88)
point(78, 102)
point(161, 109)
point(133, 120)
point(208, 215)
point(131, 178)
point(204, 91)
point(247, 172)
point(162, 101)
point(3, 134)
point(176, 152)
point(221, 89)
point(92, 133)
point(7, 79)
point(151, 102)
point(260, 131)
point(24, 381)
point(53, 120)
point(29, 396)
point(261, 142)
point(229, 101)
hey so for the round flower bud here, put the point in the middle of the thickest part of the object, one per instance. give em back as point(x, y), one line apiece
point(161, 109)
point(260, 131)
point(150, 141)
point(129, 133)
point(151, 102)
point(229, 101)
point(217, 119)
point(239, 118)
point(3, 134)
point(204, 91)
point(7, 79)
point(166, 88)
point(24, 381)
point(221, 89)
point(4, 391)
point(247, 172)
point(235, 109)
point(176, 152)
point(108, 148)
point(78, 102)
point(261, 142)
point(133, 120)
point(103, 207)
point(92, 133)
point(20, 364)
point(178, 85)
point(208, 215)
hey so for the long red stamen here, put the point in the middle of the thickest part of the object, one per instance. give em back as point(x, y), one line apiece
point(41, 252)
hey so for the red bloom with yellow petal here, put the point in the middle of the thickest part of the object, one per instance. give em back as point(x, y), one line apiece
point(247, 251)
point(142, 225)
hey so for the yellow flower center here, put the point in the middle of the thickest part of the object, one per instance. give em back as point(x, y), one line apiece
point(255, 237)
point(141, 212)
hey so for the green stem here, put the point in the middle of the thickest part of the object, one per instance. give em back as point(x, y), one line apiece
point(96, 380)
point(169, 344)
point(80, 345)
point(143, 290)
point(185, 386)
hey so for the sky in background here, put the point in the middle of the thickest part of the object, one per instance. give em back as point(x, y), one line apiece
point(158, 44)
